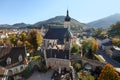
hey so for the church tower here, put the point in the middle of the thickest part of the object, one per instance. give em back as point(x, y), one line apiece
point(67, 21)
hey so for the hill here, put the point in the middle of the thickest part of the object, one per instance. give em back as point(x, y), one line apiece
point(52, 22)
point(105, 22)
point(20, 25)
point(59, 21)
point(14, 26)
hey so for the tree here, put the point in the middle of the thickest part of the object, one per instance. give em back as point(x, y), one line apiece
point(1, 42)
point(35, 39)
point(108, 73)
point(22, 36)
point(20, 43)
point(77, 66)
point(116, 41)
point(114, 30)
point(90, 43)
point(13, 39)
point(7, 42)
point(100, 33)
point(75, 49)
point(89, 46)
point(86, 46)
point(39, 38)
point(94, 45)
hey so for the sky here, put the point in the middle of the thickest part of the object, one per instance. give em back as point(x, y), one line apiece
point(32, 11)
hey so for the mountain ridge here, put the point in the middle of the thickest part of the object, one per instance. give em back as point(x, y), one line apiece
point(105, 22)
point(59, 20)
point(51, 22)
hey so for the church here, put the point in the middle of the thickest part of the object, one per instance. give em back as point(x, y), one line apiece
point(57, 46)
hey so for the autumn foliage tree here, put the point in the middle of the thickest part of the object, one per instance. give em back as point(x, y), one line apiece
point(108, 73)
point(90, 43)
point(94, 45)
point(35, 39)
point(7, 42)
point(13, 39)
point(23, 36)
point(31, 39)
point(116, 41)
point(90, 46)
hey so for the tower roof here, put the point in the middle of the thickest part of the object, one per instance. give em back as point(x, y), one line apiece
point(67, 18)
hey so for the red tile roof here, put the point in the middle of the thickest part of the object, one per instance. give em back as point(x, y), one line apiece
point(2, 70)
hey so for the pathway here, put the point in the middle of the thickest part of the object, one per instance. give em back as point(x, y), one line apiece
point(41, 76)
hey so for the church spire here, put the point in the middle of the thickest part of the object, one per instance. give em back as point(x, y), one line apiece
point(67, 12)
point(67, 21)
point(67, 18)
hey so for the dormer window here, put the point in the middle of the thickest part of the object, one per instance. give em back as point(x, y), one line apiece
point(8, 60)
point(20, 58)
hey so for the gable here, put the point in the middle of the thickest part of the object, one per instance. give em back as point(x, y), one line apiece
point(13, 53)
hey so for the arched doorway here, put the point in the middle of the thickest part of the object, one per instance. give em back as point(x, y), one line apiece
point(36, 68)
point(10, 75)
point(10, 78)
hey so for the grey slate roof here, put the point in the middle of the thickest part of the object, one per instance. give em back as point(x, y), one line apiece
point(58, 33)
point(54, 53)
point(13, 53)
point(107, 44)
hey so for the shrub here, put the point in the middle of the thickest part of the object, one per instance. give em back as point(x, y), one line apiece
point(75, 49)
point(26, 73)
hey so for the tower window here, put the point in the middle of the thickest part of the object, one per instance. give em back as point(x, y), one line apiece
point(20, 58)
point(8, 61)
point(21, 67)
point(67, 39)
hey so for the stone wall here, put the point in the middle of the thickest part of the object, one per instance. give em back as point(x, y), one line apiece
point(58, 63)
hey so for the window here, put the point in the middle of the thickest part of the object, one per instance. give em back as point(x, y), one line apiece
point(8, 60)
point(67, 39)
point(20, 58)
point(16, 70)
point(21, 67)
